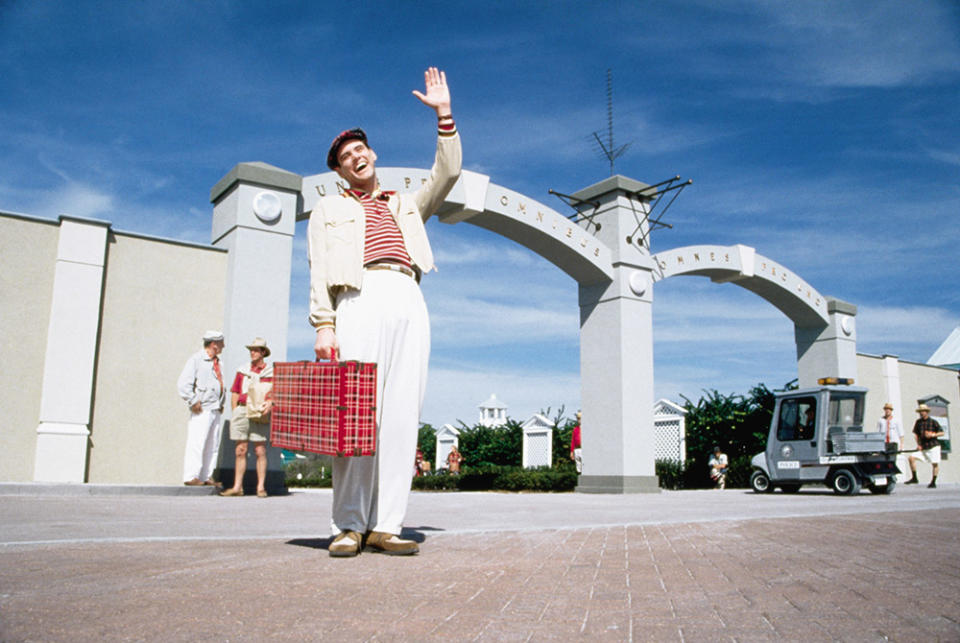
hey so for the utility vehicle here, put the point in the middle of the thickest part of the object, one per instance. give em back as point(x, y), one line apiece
point(817, 437)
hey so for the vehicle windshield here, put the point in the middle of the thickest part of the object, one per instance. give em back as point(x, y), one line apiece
point(846, 411)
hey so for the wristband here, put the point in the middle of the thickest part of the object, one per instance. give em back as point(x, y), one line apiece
point(444, 117)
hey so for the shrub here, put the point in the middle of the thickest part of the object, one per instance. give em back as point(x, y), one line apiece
point(539, 479)
point(314, 471)
point(738, 472)
point(500, 478)
point(438, 482)
point(484, 446)
point(670, 473)
point(427, 443)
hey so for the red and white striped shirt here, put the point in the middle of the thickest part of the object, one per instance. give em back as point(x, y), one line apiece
point(383, 241)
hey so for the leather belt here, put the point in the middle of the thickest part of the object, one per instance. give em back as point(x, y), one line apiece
point(395, 267)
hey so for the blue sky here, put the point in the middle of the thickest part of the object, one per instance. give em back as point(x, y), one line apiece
point(824, 134)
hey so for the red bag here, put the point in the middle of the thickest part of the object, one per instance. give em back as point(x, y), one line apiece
point(325, 407)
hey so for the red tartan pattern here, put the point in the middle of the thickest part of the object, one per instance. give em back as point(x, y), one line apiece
point(325, 407)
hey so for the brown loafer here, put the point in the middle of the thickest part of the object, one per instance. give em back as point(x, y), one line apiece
point(261, 493)
point(391, 544)
point(211, 483)
point(232, 493)
point(194, 483)
point(345, 545)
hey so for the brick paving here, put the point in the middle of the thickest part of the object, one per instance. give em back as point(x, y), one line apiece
point(848, 576)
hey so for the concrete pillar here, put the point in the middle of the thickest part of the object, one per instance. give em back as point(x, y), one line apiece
point(616, 349)
point(67, 395)
point(254, 216)
point(891, 389)
point(891, 386)
point(831, 350)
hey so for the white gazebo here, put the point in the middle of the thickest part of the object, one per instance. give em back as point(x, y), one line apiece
point(493, 412)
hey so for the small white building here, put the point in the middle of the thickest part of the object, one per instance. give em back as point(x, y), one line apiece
point(670, 431)
point(447, 438)
point(537, 442)
point(493, 412)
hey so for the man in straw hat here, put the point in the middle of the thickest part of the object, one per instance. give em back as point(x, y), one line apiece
point(928, 431)
point(201, 386)
point(250, 420)
point(890, 426)
point(368, 248)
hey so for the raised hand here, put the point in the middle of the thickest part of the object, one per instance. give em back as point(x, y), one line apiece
point(437, 93)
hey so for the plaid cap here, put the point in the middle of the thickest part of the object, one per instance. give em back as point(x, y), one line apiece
point(355, 134)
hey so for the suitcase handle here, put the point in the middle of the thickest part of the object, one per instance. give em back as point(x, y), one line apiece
point(333, 355)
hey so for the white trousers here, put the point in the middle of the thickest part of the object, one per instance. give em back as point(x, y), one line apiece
point(385, 322)
point(203, 445)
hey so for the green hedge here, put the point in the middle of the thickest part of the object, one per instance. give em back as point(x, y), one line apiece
point(316, 473)
point(502, 478)
point(312, 472)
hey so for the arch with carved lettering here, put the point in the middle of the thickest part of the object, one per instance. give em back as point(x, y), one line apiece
point(474, 199)
point(741, 265)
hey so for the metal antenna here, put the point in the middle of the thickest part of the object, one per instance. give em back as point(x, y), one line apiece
point(611, 152)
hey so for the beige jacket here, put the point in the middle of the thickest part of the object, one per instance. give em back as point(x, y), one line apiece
point(337, 229)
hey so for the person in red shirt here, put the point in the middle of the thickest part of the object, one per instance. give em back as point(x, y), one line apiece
point(575, 445)
point(243, 429)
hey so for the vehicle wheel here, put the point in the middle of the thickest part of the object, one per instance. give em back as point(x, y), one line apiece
point(760, 482)
point(886, 489)
point(790, 488)
point(845, 483)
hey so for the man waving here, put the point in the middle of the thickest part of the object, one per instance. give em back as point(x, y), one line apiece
point(368, 249)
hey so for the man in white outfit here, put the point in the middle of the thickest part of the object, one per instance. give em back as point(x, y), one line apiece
point(368, 248)
point(890, 427)
point(201, 386)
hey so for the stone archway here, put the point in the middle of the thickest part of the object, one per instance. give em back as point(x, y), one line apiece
point(824, 327)
point(611, 264)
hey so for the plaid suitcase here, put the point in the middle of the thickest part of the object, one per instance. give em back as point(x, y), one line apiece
point(325, 407)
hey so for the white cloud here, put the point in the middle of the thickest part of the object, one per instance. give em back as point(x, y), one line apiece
point(77, 200)
point(892, 328)
point(880, 44)
point(950, 157)
point(467, 321)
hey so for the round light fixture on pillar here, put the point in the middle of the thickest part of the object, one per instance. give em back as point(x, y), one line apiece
point(639, 283)
point(846, 325)
point(267, 207)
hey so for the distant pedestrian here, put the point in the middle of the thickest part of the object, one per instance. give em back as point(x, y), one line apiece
point(418, 464)
point(454, 458)
point(928, 434)
point(575, 446)
point(250, 421)
point(718, 468)
point(890, 427)
point(201, 386)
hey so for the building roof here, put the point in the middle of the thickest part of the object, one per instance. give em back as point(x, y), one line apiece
point(493, 403)
point(666, 407)
point(537, 422)
point(949, 352)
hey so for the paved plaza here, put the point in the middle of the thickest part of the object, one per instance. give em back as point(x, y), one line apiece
point(86, 562)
